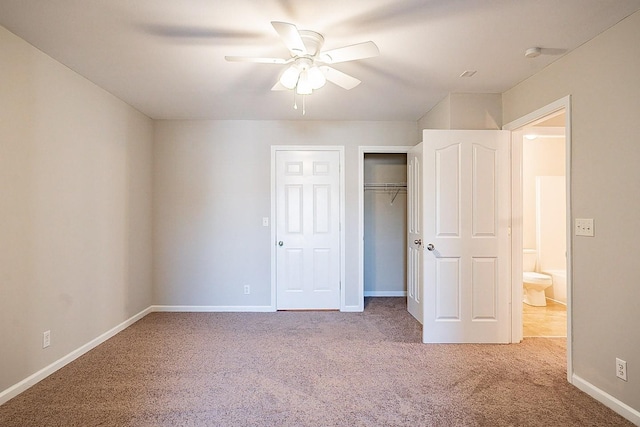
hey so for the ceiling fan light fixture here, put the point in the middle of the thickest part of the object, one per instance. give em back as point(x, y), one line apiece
point(316, 78)
point(290, 77)
point(306, 68)
point(304, 84)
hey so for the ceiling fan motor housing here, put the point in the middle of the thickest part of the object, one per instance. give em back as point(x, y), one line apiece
point(312, 42)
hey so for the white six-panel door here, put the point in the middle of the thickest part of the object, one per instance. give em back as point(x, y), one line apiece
point(467, 288)
point(307, 230)
point(414, 232)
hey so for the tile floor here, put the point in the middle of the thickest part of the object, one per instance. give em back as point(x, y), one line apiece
point(549, 321)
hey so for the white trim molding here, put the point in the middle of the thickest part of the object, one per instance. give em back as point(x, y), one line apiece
point(362, 150)
point(212, 308)
point(385, 293)
point(31, 380)
point(516, 172)
point(606, 399)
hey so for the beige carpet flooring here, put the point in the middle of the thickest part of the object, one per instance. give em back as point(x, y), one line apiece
point(306, 369)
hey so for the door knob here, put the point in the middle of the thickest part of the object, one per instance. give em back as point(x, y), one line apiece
point(418, 241)
point(280, 243)
point(430, 247)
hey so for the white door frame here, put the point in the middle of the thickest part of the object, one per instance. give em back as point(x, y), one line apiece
point(340, 150)
point(516, 213)
point(362, 150)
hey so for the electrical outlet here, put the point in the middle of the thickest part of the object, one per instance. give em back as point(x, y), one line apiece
point(247, 289)
point(621, 369)
point(584, 227)
point(46, 339)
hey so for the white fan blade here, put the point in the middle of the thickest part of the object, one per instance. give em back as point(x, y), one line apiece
point(339, 78)
point(350, 53)
point(258, 60)
point(291, 37)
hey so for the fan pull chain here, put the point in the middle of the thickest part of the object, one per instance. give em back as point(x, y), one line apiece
point(295, 103)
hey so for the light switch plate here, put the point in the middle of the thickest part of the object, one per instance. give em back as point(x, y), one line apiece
point(265, 221)
point(584, 227)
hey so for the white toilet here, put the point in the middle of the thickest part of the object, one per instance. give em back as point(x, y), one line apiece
point(533, 283)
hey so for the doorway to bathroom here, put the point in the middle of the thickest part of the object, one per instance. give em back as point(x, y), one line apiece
point(541, 239)
point(544, 232)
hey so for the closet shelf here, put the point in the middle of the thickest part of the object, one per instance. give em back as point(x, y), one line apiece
point(387, 186)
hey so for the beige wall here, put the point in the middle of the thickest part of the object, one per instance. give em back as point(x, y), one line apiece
point(75, 179)
point(465, 111)
point(212, 189)
point(439, 117)
point(602, 78)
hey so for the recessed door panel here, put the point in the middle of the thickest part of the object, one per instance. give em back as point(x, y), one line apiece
point(293, 168)
point(321, 168)
point(293, 208)
point(294, 273)
point(447, 191)
point(484, 289)
point(447, 293)
point(321, 208)
point(485, 217)
point(322, 269)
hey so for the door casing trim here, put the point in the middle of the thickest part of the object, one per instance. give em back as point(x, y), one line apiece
point(516, 204)
point(362, 150)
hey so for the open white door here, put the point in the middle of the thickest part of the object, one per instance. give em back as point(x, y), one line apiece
point(467, 287)
point(307, 230)
point(415, 251)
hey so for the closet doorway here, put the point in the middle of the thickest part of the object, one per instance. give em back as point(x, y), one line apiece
point(383, 222)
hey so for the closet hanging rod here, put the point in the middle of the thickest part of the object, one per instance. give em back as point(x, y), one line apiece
point(386, 185)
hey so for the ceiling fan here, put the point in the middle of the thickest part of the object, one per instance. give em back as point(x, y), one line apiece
point(309, 66)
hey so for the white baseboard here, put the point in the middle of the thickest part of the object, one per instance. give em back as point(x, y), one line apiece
point(385, 293)
point(211, 308)
point(23, 385)
point(606, 399)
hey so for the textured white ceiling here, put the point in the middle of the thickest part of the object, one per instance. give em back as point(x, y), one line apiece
point(166, 57)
